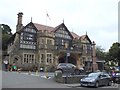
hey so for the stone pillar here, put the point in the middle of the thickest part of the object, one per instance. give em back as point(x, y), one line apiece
point(94, 64)
point(78, 61)
point(19, 21)
point(56, 60)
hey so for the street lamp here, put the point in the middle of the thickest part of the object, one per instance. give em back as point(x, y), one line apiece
point(67, 54)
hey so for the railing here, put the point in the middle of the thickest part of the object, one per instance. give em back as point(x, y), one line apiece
point(46, 34)
point(89, 52)
point(70, 49)
point(45, 46)
point(60, 48)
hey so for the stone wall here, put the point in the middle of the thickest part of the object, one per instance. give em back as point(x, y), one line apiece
point(69, 79)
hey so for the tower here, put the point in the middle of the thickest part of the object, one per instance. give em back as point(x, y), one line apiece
point(19, 21)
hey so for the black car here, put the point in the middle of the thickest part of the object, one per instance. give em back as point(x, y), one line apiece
point(117, 77)
point(68, 68)
point(96, 79)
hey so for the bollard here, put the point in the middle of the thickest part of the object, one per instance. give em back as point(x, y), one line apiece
point(19, 70)
point(46, 74)
point(11, 70)
point(36, 72)
point(29, 73)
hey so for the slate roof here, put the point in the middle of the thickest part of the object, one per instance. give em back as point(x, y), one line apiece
point(41, 27)
point(75, 36)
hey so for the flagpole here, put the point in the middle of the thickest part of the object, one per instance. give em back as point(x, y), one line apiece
point(46, 21)
point(45, 43)
point(47, 16)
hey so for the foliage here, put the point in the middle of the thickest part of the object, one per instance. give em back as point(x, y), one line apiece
point(114, 53)
point(100, 53)
point(6, 34)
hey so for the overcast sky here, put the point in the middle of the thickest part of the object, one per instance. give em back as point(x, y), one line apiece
point(99, 18)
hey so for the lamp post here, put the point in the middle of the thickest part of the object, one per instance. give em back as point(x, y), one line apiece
point(67, 54)
point(46, 71)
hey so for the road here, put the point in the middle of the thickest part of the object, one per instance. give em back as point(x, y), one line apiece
point(38, 80)
point(17, 80)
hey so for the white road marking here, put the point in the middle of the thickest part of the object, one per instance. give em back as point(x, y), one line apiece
point(37, 75)
point(45, 77)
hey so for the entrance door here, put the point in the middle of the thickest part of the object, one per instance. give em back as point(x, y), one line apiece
point(70, 60)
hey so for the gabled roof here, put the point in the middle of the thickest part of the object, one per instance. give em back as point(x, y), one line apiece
point(57, 27)
point(41, 27)
point(63, 25)
point(83, 37)
point(75, 36)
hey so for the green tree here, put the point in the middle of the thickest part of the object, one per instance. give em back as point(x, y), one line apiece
point(114, 53)
point(100, 53)
point(6, 34)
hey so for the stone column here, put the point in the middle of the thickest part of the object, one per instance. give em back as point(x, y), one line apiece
point(56, 60)
point(94, 64)
point(78, 61)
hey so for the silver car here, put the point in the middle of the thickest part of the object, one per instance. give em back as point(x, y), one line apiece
point(96, 79)
point(68, 68)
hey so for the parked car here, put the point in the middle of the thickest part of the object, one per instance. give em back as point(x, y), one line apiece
point(68, 68)
point(117, 77)
point(96, 79)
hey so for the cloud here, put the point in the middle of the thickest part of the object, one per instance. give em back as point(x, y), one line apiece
point(98, 17)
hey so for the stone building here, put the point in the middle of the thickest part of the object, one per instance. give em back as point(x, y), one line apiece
point(37, 45)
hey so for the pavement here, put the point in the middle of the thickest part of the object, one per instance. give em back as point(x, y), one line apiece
point(78, 85)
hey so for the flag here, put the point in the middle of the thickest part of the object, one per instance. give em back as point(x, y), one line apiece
point(48, 16)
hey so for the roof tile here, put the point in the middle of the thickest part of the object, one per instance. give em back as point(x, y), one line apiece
point(41, 27)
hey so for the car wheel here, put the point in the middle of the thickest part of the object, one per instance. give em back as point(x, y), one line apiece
point(97, 84)
point(81, 85)
point(109, 83)
point(60, 70)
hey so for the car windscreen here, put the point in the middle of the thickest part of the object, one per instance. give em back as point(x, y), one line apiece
point(118, 74)
point(62, 64)
point(93, 74)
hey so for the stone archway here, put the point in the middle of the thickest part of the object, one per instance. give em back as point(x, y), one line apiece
point(17, 60)
point(71, 59)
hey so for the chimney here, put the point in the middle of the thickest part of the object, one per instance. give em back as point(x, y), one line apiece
point(19, 21)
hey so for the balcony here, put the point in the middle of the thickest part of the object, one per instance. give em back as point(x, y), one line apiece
point(70, 49)
point(46, 47)
point(87, 52)
point(46, 34)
